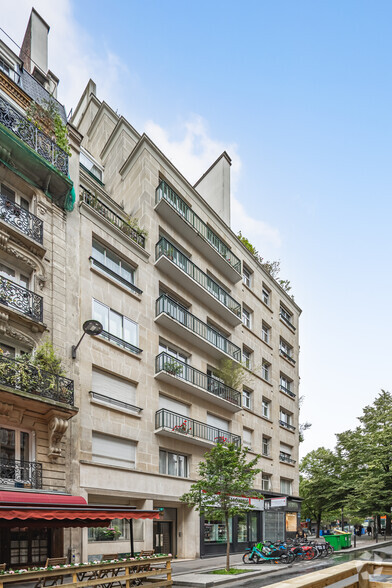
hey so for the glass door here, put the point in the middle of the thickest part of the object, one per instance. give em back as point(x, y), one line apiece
point(14, 456)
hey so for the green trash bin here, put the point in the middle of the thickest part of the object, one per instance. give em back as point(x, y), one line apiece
point(334, 541)
point(345, 540)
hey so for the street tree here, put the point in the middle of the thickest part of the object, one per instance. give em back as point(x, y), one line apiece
point(226, 475)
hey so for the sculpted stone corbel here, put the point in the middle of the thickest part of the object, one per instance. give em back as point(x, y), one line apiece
point(3, 239)
point(57, 428)
point(19, 336)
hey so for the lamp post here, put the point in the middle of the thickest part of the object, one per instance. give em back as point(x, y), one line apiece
point(90, 327)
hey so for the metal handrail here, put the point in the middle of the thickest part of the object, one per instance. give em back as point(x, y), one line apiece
point(167, 305)
point(22, 219)
point(21, 299)
point(190, 427)
point(115, 402)
point(33, 137)
point(287, 321)
point(286, 457)
point(164, 247)
point(113, 274)
point(286, 425)
point(29, 378)
point(20, 473)
point(116, 220)
point(166, 193)
point(180, 369)
point(120, 342)
point(287, 356)
point(287, 391)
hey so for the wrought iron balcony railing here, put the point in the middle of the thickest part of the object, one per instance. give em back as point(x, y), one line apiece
point(19, 298)
point(171, 365)
point(287, 356)
point(287, 391)
point(183, 425)
point(177, 312)
point(286, 425)
point(120, 342)
point(112, 217)
point(165, 192)
point(33, 137)
point(26, 377)
point(286, 457)
point(20, 473)
point(22, 219)
point(164, 247)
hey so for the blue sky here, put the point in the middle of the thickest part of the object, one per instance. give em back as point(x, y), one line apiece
point(299, 93)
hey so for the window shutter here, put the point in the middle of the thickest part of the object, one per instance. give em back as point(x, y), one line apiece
point(217, 422)
point(113, 387)
point(173, 405)
point(113, 450)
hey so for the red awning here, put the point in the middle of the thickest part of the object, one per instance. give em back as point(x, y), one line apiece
point(62, 510)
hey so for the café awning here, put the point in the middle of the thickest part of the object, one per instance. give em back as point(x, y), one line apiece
point(62, 510)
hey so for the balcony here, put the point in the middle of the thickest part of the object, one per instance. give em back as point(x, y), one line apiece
point(27, 223)
point(18, 298)
point(186, 325)
point(112, 217)
point(286, 458)
point(287, 356)
point(29, 151)
point(181, 217)
point(175, 425)
point(177, 373)
point(20, 473)
point(182, 270)
point(286, 391)
point(120, 342)
point(287, 426)
point(31, 384)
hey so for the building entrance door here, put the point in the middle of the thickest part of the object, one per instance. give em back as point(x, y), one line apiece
point(163, 531)
point(22, 548)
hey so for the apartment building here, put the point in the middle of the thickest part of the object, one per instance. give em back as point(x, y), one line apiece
point(177, 293)
point(36, 197)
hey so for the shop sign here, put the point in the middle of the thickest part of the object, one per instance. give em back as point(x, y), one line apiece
point(237, 501)
point(276, 502)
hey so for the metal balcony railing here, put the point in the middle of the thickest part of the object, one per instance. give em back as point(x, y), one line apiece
point(20, 473)
point(33, 137)
point(185, 426)
point(112, 217)
point(171, 365)
point(287, 356)
point(22, 219)
point(166, 193)
point(164, 247)
point(286, 320)
point(115, 275)
point(114, 402)
point(165, 304)
point(286, 425)
point(120, 342)
point(26, 377)
point(287, 391)
point(19, 298)
point(286, 457)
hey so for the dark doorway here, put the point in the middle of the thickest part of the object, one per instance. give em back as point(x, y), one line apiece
point(23, 547)
point(163, 533)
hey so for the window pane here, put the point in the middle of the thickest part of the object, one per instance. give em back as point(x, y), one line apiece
point(115, 324)
point(162, 462)
point(101, 314)
point(182, 466)
point(24, 447)
point(131, 332)
point(98, 252)
point(113, 262)
point(127, 272)
point(172, 464)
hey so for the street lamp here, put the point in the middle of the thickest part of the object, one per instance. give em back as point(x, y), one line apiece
point(91, 327)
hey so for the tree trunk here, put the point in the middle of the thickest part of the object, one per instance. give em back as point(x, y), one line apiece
point(388, 526)
point(318, 525)
point(227, 542)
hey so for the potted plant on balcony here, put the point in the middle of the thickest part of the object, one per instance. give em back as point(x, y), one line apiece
point(172, 367)
point(184, 427)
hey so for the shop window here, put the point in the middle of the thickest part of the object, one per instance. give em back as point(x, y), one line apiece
point(215, 531)
point(121, 531)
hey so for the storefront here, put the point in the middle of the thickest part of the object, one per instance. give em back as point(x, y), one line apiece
point(272, 519)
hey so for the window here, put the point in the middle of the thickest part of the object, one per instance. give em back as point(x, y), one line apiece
point(285, 418)
point(246, 317)
point(265, 481)
point(265, 332)
point(247, 358)
point(218, 428)
point(286, 384)
point(173, 352)
point(110, 450)
point(116, 324)
point(285, 349)
point(12, 196)
point(173, 464)
point(90, 165)
point(285, 451)
point(266, 295)
point(112, 387)
point(266, 406)
point(285, 486)
point(247, 398)
point(286, 316)
point(113, 262)
point(14, 275)
point(246, 276)
point(247, 438)
point(120, 525)
point(266, 446)
point(265, 370)
point(15, 446)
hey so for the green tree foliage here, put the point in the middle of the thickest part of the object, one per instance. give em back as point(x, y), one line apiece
point(232, 373)
point(46, 117)
point(224, 473)
point(321, 485)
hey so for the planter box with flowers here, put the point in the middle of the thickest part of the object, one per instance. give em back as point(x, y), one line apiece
point(184, 428)
point(107, 533)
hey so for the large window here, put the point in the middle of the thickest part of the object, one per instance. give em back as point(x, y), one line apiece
point(12, 196)
point(285, 349)
point(286, 384)
point(15, 456)
point(113, 262)
point(116, 324)
point(286, 417)
point(285, 486)
point(286, 316)
point(265, 482)
point(121, 527)
point(90, 165)
point(14, 275)
point(247, 398)
point(173, 464)
point(110, 450)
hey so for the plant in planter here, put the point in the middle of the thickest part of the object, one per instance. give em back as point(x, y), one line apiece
point(108, 533)
point(46, 117)
point(184, 427)
point(173, 368)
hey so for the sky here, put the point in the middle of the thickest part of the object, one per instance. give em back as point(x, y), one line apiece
point(299, 94)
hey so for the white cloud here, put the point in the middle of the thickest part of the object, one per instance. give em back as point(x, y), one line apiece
point(261, 234)
point(71, 53)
